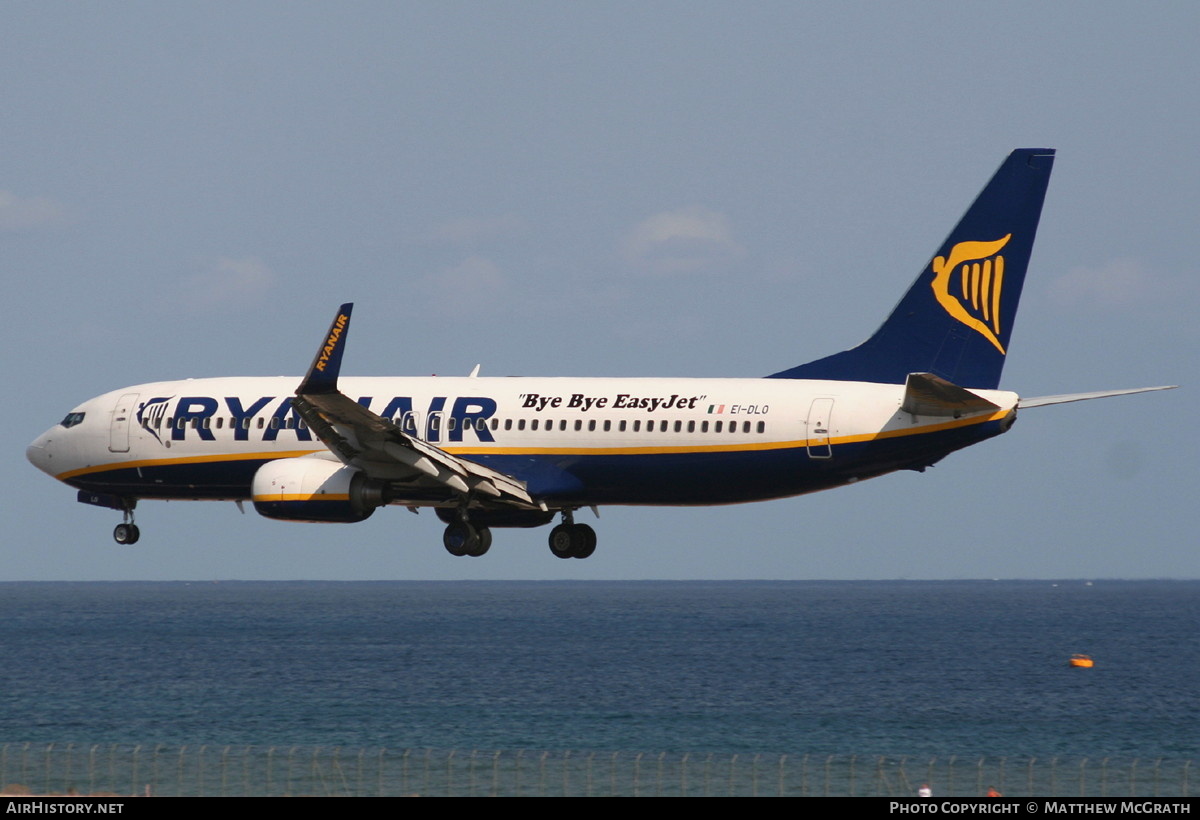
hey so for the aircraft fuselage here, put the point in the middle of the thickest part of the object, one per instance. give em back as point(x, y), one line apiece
point(574, 442)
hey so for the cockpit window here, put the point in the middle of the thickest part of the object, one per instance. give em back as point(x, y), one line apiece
point(72, 419)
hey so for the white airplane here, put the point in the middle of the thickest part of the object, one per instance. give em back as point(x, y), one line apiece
point(517, 452)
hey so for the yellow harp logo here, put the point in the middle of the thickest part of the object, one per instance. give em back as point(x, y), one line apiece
point(973, 296)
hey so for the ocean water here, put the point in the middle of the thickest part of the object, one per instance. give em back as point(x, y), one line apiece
point(865, 668)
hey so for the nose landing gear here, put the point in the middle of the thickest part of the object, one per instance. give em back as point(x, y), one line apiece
point(127, 532)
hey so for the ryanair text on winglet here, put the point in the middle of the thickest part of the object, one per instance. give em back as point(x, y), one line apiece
point(335, 333)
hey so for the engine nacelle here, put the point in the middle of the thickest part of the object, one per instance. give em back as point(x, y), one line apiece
point(313, 489)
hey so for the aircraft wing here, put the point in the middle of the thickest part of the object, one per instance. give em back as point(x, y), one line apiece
point(376, 445)
point(1042, 401)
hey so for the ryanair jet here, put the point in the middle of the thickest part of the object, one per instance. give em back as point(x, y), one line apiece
point(520, 452)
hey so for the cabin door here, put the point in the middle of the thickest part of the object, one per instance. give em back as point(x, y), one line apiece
point(817, 428)
point(118, 431)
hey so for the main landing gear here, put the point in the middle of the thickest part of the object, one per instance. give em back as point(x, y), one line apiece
point(463, 538)
point(571, 540)
point(567, 540)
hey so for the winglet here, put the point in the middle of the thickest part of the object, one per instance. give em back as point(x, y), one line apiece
point(323, 372)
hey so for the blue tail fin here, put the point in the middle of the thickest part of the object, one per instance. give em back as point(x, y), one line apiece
point(956, 319)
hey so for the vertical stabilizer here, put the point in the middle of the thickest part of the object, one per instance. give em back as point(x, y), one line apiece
point(956, 319)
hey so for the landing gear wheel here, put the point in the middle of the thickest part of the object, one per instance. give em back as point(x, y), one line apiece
point(572, 541)
point(126, 534)
point(483, 543)
point(562, 541)
point(460, 538)
point(585, 541)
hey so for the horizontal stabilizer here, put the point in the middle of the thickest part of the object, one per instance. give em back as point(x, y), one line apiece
point(928, 395)
point(1041, 401)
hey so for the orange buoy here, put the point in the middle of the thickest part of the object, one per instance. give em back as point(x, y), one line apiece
point(1082, 661)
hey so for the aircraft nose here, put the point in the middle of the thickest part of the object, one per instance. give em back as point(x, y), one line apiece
point(40, 454)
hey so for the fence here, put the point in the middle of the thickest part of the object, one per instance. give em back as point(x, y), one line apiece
point(27, 768)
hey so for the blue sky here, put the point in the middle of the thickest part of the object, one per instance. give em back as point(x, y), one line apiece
point(604, 189)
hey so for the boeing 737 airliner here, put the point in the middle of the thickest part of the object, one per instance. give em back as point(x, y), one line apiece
point(517, 452)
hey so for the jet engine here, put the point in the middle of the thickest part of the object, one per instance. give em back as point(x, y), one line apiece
point(313, 489)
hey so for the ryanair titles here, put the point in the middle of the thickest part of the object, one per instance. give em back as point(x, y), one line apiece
point(268, 417)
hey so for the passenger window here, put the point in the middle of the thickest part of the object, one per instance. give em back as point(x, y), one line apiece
point(591, 425)
point(533, 424)
point(508, 424)
point(260, 422)
point(607, 426)
point(704, 427)
point(495, 424)
point(637, 425)
point(521, 424)
point(745, 427)
point(621, 426)
point(691, 426)
point(578, 425)
point(716, 426)
point(762, 426)
point(678, 426)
